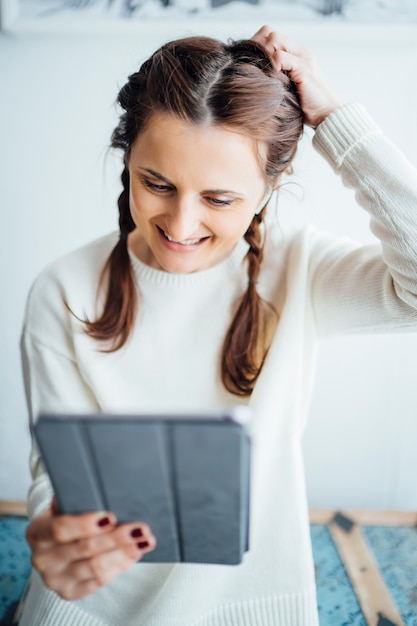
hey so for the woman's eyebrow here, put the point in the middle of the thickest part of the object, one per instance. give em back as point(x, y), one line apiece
point(219, 192)
point(157, 175)
point(216, 192)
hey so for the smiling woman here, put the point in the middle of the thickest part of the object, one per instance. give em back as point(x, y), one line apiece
point(212, 180)
point(197, 303)
point(218, 126)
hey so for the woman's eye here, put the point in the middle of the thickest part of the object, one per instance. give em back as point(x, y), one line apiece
point(219, 202)
point(156, 187)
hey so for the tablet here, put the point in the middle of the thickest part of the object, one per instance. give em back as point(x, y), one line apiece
point(187, 476)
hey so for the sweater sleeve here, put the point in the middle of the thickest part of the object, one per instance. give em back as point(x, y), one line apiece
point(367, 288)
point(52, 378)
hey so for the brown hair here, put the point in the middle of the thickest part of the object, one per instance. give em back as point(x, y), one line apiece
point(200, 80)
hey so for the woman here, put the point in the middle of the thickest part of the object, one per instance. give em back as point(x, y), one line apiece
point(196, 305)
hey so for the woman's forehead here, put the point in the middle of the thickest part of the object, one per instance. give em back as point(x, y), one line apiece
point(173, 143)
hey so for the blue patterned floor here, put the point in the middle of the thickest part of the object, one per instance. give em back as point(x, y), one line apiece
point(14, 565)
point(336, 599)
point(395, 550)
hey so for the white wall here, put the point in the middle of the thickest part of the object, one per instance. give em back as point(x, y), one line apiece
point(58, 192)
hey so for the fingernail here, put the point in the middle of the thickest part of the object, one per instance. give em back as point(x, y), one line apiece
point(143, 544)
point(104, 521)
point(136, 532)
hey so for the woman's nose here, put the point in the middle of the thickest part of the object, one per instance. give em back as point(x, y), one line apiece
point(184, 218)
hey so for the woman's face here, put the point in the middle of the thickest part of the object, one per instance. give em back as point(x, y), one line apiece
point(193, 193)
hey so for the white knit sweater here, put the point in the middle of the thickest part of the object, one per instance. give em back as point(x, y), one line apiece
point(320, 285)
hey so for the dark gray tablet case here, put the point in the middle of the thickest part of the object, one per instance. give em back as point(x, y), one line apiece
point(187, 478)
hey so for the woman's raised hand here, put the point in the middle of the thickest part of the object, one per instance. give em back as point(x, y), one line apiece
point(77, 554)
point(317, 98)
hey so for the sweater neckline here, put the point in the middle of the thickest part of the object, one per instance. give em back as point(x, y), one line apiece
point(160, 277)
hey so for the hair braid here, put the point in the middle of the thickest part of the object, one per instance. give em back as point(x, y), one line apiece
point(243, 349)
point(120, 304)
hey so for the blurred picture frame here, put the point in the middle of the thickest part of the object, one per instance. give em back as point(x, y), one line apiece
point(96, 15)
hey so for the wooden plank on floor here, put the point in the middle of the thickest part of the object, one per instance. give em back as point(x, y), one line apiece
point(372, 593)
point(364, 517)
point(367, 517)
point(13, 507)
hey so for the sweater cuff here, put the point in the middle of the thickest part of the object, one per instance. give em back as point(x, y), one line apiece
point(344, 128)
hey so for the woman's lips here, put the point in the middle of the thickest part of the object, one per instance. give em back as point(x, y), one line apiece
point(180, 246)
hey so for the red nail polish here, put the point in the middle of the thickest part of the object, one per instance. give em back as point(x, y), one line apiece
point(143, 544)
point(136, 532)
point(104, 521)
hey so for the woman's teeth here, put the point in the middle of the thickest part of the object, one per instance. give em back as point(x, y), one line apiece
point(187, 242)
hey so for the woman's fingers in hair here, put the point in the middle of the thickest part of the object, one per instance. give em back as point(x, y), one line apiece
point(316, 97)
point(274, 42)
